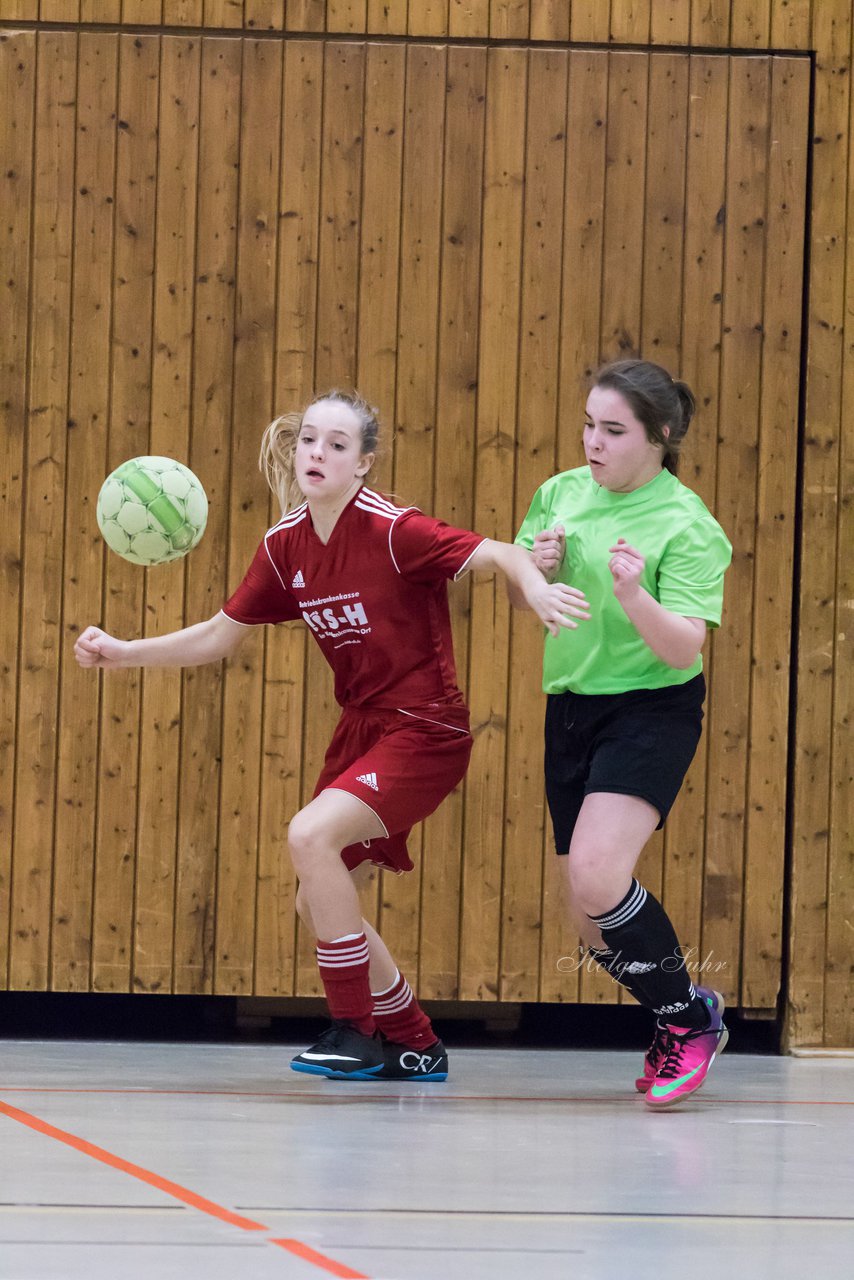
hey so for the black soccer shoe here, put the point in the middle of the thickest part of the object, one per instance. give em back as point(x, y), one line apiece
point(402, 1063)
point(343, 1053)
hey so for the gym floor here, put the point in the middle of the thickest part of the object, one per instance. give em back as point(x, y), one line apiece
point(214, 1160)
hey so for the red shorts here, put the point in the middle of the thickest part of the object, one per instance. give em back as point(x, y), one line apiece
point(401, 766)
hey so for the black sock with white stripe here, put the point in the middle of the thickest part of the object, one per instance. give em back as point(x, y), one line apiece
point(646, 951)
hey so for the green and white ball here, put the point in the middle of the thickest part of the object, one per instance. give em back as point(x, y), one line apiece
point(151, 510)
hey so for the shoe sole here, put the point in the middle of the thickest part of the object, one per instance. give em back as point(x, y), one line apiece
point(370, 1073)
point(643, 1084)
point(435, 1075)
point(688, 1093)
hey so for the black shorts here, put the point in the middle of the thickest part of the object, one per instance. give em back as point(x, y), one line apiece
point(633, 744)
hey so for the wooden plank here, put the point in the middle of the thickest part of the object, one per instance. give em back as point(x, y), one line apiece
point(468, 18)
point(838, 1026)
point(346, 16)
point(260, 148)
point(207, 578)
point(584, 205)
point(389, 17)
point(661, 319)
point(59, 10)
point(379, 250)
point(504, 171)
point(750, 24)
point(630, 21)
point(19, 10)
point(620, 319)
point(286, 661)
point(590, 20)
point(341, 171)
point(42, 542)
point(454, 491)
point(665, 209)
point(285, 690)
point(142, 13)
point(335, 359)
point(299, 204)
point(808, 1012)
point(223, 13)
point(171, 392)
point(790, 24)
point(700, 345)
point(426, 18)
point(670, 22)
point(624, 185)
point(415, 409)
point(741, 352)
point(710, 23)
point(17, 126)
point(509, 19)
point(183, 13)
point(773, 603)
point(124, 589)
point(305, 15)
point(539, 354)
point(89, 396)
point(550, 20)
point(376, 374)
point(561, 963)
point(101, 11)
point(419, 275)
point(264, 15)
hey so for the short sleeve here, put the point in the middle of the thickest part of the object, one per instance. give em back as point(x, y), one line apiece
point(535, 522)
point(262, 595)
point(691, 571)
point(428, 550)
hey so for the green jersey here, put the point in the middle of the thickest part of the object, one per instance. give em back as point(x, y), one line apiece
point(686, 554)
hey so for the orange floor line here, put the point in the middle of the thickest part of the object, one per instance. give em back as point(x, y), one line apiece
point(175, 1190)
point(308, 1254)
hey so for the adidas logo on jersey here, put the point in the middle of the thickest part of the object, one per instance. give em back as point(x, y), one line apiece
point(299, 580)
point(370, 780)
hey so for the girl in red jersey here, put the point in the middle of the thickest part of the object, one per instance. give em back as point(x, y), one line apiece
point(369, 579)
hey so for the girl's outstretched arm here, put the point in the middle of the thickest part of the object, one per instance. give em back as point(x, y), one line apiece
point(555, 604)
point(191, 647)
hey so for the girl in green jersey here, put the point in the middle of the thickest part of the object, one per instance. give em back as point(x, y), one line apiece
point(626, 691)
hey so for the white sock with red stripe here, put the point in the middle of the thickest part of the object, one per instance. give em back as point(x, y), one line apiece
point(400, 1017)
point(344, 964)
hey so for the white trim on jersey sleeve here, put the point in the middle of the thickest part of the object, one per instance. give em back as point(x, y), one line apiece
point(464, 567)
point(238, 623)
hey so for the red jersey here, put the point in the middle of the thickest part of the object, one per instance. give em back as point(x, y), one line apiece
point(374, 598)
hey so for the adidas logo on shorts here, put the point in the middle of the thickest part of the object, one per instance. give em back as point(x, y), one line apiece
point(299, 580)
point(370, 780)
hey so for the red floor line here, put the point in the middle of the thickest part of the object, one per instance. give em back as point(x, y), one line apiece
point(175, 1190)
point(367, 1092)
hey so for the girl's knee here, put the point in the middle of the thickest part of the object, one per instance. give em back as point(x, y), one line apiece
point(303, 839)
point(591, 882)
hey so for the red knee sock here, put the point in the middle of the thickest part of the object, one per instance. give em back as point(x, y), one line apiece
point(344, 965)
point(400, 1017)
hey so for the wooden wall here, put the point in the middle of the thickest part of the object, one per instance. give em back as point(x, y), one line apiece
point(203, 226)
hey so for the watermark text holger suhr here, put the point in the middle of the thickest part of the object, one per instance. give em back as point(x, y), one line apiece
point(687, 957)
